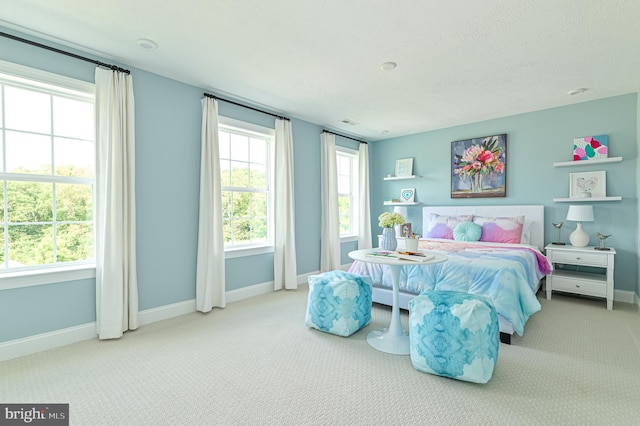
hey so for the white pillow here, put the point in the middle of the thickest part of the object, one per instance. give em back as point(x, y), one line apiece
point(526, 232)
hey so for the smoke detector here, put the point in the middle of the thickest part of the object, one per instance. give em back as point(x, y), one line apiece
point(577, 91)
point(388, 66)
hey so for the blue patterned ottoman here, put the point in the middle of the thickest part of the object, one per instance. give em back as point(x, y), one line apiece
point(339, 302)
point(454, 334)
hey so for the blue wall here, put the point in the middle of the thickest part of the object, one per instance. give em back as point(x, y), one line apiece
point(534, 142)
point(168, 125)
point(168, 120)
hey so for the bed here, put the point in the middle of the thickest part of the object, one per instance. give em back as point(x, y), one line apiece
point(505, 267)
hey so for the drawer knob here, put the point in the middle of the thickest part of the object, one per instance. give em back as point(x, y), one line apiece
point(578, 258)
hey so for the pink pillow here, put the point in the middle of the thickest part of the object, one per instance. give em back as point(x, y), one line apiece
point(500, 229)
point(442, 226)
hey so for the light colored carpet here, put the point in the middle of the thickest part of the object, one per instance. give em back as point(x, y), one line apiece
point(255, 363)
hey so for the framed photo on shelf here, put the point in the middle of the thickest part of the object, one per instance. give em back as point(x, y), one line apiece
point(588, 184)
point(406, 230)
point(408, 195)
point(404, 167)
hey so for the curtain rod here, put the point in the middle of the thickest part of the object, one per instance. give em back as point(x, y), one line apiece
point(209, 95)
point(62, 52)
point(343, 136)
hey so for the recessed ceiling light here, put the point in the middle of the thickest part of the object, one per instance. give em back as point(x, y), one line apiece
point(349, 121)
point(577, 91)
point(147, 44)
point(388, 66)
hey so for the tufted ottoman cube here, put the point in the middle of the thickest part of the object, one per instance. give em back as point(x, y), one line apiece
point(454, 334)
point(339, 302)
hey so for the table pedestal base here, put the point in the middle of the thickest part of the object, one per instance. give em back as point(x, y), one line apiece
point(393, 340)
point(384, 341)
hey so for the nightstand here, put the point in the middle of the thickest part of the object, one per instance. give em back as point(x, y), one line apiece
point(581, 282)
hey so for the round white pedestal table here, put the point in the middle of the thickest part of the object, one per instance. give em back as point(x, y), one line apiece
point(392, 340)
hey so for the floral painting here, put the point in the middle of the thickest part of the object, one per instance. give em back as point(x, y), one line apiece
point(479, 167)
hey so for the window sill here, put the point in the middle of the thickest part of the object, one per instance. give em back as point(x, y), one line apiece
point(348, 238)
point(232, 253)
point(31, 278)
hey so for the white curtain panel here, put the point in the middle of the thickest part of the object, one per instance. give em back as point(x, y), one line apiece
point(364, 212)
point(116, 279)
point(210, 272)
point(330, 229)
point(284, 257)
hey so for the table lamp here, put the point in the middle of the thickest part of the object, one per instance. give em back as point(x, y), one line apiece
point(403, 211)
point(580, 214)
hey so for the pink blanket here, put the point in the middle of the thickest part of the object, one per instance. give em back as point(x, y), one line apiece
point(450, 246)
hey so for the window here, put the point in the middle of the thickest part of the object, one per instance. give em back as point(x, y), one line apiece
point(347, 161)
point(47, 170)
point(246, 158)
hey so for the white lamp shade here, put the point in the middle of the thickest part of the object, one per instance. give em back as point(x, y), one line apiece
point(403, 211)
point(580, 213)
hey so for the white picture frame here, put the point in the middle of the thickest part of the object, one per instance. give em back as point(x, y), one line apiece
point(404, 167)
point(588, 184)
point(407, 195)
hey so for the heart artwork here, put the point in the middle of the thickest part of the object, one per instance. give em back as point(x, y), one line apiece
point(585, 184)
point(407, 195)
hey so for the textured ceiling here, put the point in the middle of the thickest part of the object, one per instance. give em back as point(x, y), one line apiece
point(458, 61)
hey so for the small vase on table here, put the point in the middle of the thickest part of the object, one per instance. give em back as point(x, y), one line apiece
point(389, 241)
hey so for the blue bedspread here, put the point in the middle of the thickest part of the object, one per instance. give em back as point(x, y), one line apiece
point(507, 275)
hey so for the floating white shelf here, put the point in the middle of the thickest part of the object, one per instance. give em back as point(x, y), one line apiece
point(587, 162)
point(400, 177)
point(399, 203)
point(586, 200)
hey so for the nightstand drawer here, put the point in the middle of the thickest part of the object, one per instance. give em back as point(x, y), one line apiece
point(561, 282)
point(573, 258)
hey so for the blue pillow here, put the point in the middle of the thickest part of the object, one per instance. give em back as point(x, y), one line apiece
point(467, 231)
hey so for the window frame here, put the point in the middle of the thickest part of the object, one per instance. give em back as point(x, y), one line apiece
point(53, 84)
point(353, 156)
point(254, 130)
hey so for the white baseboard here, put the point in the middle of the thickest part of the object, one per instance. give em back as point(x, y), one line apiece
point(53, 339)
point(302, 279)
point(41, 342)
point(625, 296)
point(167, 311)
point(249, 291)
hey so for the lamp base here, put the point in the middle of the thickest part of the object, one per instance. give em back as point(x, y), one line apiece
point(579, 238)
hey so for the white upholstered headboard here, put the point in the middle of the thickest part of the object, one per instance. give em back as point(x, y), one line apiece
point(532, 213)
